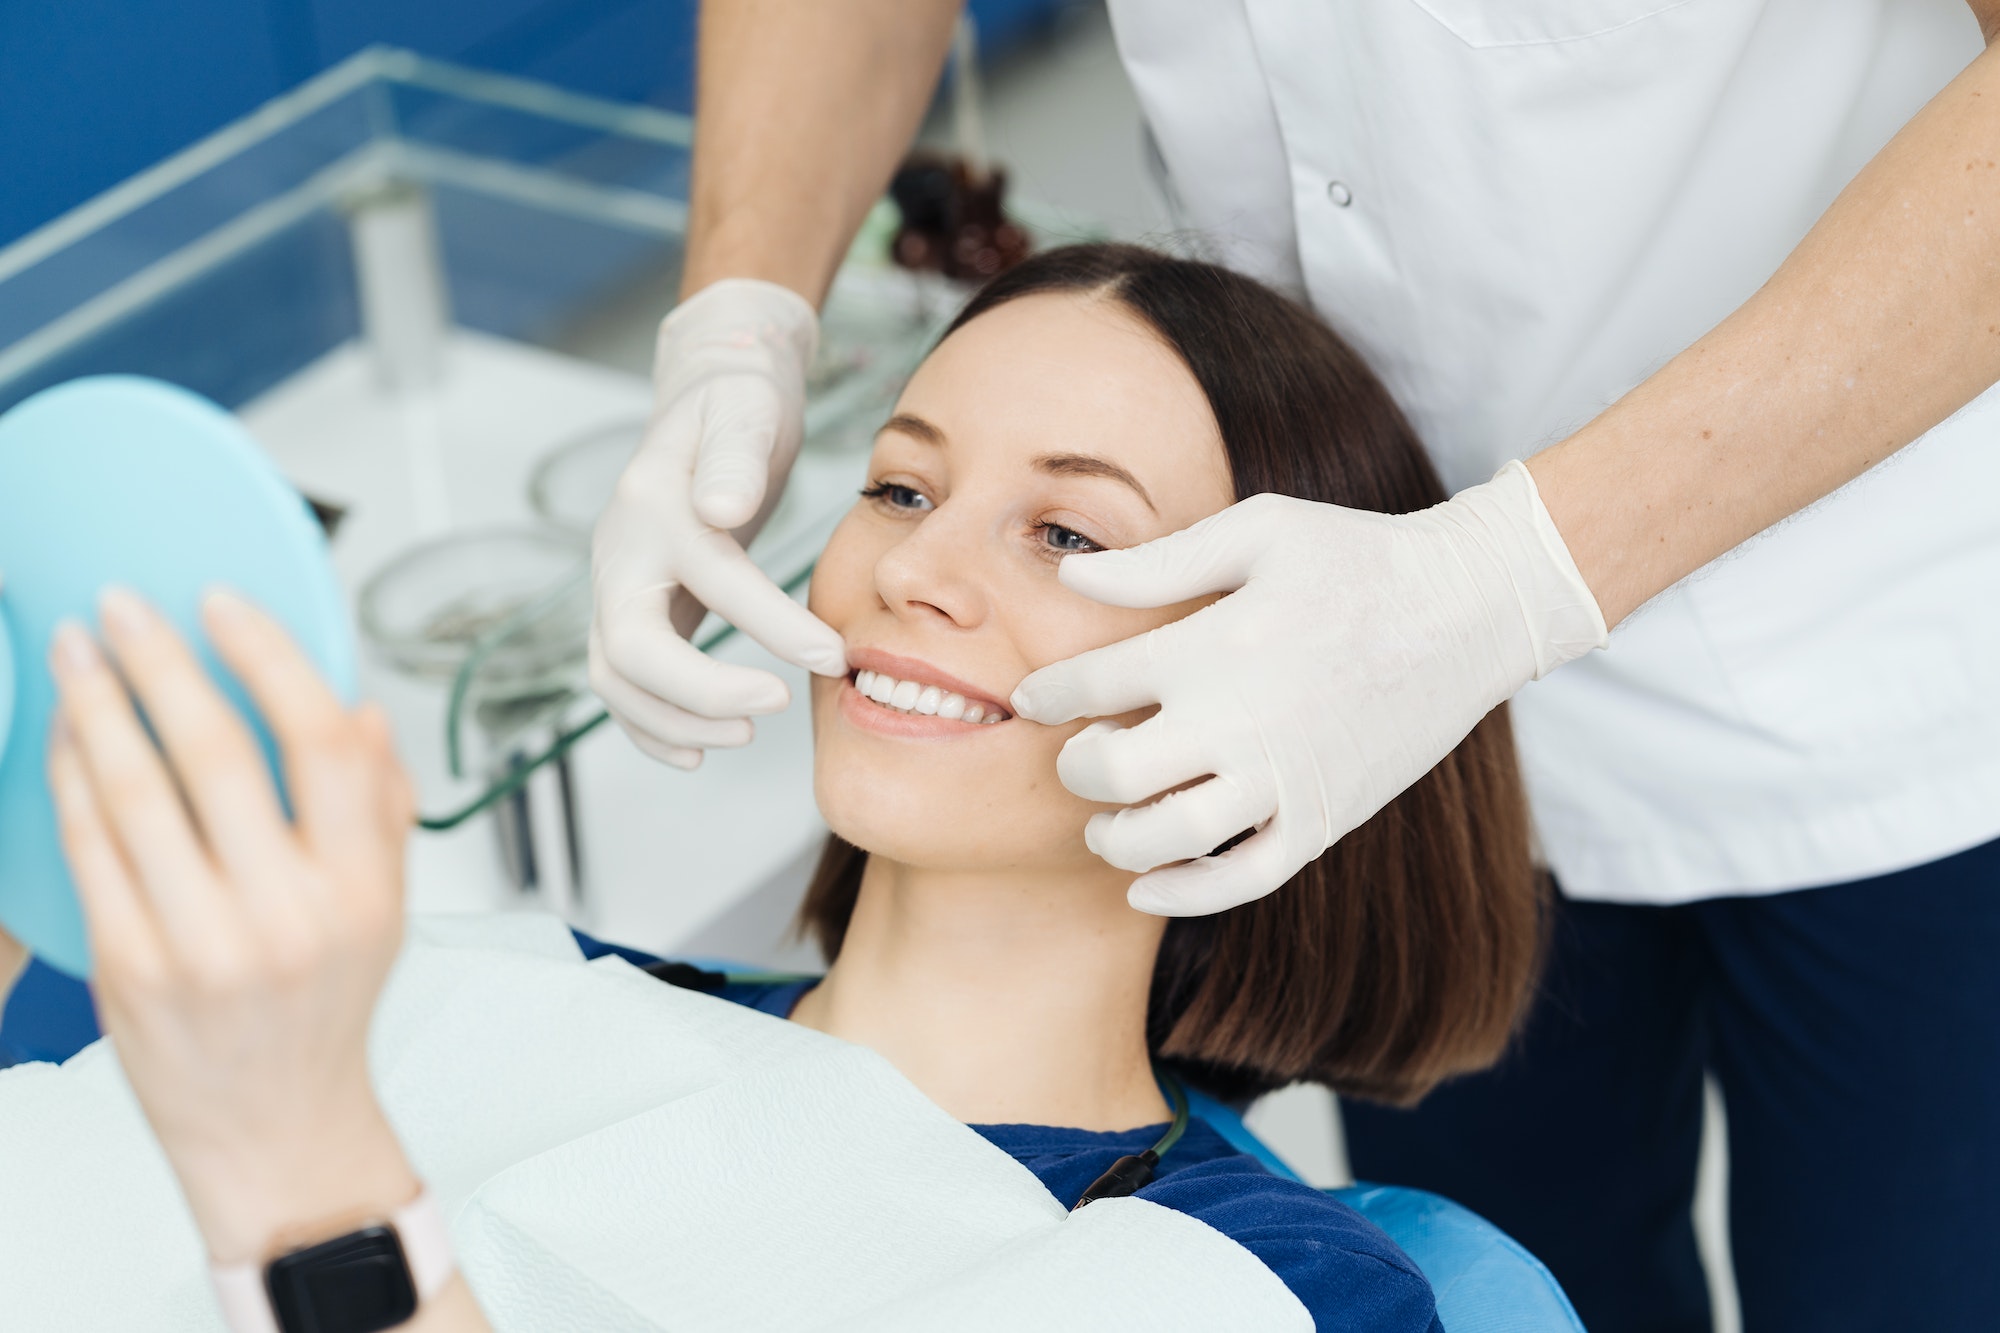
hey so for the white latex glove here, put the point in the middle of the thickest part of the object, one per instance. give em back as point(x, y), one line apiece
point(729, 403)
point(1354, 650)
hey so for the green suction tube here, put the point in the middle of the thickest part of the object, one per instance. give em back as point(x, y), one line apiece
point(565, 741)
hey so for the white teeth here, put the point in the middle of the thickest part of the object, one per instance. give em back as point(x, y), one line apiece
point(908, 696)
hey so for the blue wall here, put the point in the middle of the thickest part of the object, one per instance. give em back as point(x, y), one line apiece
point(92, 91)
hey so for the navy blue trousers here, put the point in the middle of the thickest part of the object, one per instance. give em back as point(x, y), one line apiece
point(1855, 1034)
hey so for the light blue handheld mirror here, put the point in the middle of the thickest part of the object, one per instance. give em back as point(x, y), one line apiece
point(116, 479)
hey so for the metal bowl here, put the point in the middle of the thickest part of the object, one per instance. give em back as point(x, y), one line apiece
point(521, 596)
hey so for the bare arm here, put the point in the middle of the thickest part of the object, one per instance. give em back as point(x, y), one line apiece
point(803, 109)
point(239, 952)
point(1883, 322)
point(13, 962)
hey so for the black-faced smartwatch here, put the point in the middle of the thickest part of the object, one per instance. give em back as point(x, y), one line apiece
point(372, 1278)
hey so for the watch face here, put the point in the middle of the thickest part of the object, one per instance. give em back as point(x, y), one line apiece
point(356, 1283)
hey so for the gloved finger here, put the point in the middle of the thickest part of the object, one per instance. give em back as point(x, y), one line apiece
point(1100, 683)
point(1126, 765)
point(685, 758)
point(1179, 826)
point(1214, 555)
point(654, 717)
point(632, 546)
point(1244, 873)
point(729, 583)
point(742, 420)
point(638, 645)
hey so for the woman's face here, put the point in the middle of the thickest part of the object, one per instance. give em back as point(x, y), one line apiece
point(1054, 424)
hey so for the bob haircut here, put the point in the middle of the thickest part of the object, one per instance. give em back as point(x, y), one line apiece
point(1406, 952)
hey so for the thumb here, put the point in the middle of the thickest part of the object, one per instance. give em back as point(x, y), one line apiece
point(1214, 555)
point(739, 434)
point(1102, 682)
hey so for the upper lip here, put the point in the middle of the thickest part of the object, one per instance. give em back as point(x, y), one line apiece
point(923, 673)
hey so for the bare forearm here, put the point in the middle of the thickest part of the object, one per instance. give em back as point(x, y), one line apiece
point(803, 110)
point(340, 1180)
point(1884, 321)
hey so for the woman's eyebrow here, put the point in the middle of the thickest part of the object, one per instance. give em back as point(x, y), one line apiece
point(1058, 465)
point(915, 427)
point(1087, 465)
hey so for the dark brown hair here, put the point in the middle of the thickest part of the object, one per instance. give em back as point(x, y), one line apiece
point(1406, 952)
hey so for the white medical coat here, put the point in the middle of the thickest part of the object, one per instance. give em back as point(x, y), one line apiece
point(1517, 210)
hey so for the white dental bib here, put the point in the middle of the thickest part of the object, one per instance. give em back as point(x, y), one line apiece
point(615, 1155)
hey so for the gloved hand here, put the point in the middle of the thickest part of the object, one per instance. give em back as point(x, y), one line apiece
point(729, 403)
point(1354, 650)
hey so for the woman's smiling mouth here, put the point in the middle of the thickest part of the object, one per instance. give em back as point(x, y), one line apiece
point(907, 696)
point(902, 696)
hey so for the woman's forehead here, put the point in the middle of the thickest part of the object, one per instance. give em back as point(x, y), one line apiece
point(1060, 372)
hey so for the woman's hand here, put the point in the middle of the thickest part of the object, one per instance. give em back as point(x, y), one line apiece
point(238, 954)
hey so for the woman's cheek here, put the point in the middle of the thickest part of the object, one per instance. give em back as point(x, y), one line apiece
point(1081, 625)
point(842, 577)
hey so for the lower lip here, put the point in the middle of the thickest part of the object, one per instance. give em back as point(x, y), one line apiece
point(865, 713)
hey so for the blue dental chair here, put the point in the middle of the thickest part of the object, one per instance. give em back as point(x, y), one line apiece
point(1484, 1281)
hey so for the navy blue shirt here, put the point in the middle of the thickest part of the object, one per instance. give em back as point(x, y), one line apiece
point(1339, 1264)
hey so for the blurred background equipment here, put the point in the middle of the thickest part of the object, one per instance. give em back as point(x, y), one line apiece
point(110, 87)
point(430, 292)
point(953, 216)
point(413, 283)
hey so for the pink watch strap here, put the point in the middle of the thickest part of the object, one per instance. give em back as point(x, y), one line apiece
point(419, 1227)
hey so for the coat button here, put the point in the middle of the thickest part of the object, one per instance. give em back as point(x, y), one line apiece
point(1338, 193)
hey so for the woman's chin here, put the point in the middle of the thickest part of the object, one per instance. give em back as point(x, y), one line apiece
point(943, 816)
point(943, 794)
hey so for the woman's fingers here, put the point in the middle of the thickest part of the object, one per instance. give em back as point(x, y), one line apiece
point(212, 752)
point(123, 934)
point(398, 793)
point(334, 785)
point(137, 798)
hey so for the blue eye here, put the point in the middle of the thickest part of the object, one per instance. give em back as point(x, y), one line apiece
point(897, 497)
point(1067, 541)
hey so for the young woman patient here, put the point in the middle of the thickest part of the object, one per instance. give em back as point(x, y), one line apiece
point(1095, 397)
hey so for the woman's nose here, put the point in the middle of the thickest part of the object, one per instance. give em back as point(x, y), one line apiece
point(935, 572)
